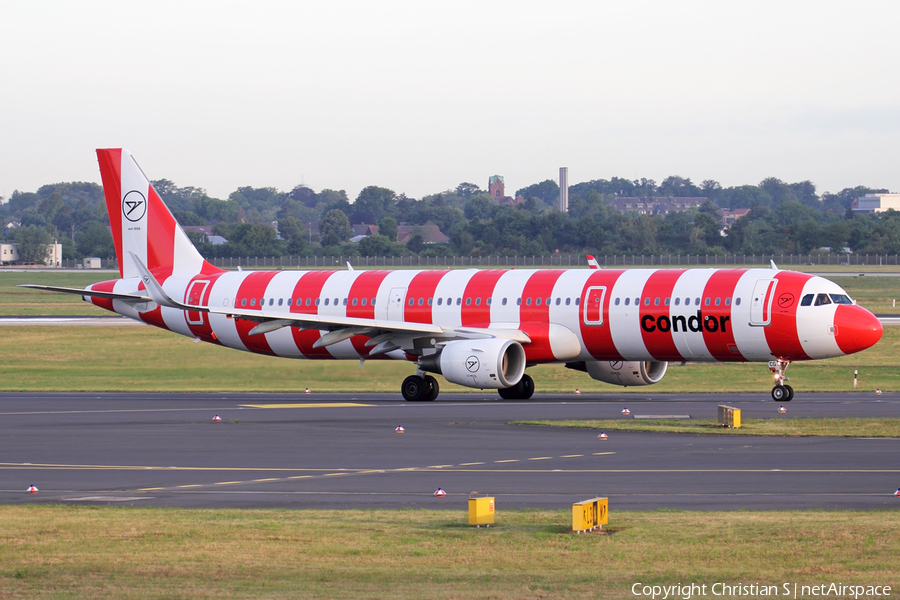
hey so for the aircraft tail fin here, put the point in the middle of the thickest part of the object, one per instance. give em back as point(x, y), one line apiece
point(142, 224)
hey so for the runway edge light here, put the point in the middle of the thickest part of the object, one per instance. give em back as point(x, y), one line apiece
point(625, 411)
point(602, 436)
point(590, 514)
point(782, 410)
point(399, 429)
point(32, 489)
point(216, 419)
point(440, 493)
point(897, 493)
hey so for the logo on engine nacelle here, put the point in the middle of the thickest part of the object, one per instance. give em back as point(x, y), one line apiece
point(472, 364)
point(616, 365)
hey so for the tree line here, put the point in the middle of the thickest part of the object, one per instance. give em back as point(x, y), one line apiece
point(788, 218)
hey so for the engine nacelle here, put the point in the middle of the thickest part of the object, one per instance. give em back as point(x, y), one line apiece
point(623, 373)
point(492, 363)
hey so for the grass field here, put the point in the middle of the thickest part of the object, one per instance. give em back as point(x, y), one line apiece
point(65, 552)
point(146, 359)
point(94, 358)
point(812, 427)
point(875, 293)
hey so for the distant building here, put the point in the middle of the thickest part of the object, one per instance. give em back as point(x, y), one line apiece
point(92, 262)
point(657, 205)
point(730, 216)
point(206, 231)
point(9, 253)
point(876, 203)
point(497, 190)
point(431, 233)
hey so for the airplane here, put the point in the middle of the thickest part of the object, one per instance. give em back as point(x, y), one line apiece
point(478, 328)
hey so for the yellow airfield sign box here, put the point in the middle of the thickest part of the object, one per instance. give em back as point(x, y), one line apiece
point(590, 514)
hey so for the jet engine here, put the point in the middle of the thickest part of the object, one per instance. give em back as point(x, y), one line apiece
point(492, 363)
point(623, 373)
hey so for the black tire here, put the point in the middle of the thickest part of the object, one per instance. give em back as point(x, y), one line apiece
point(790, 393)
point(433, 389)
point(414, 388)
point(510, 393)
point(779, 393)
point(527, 384)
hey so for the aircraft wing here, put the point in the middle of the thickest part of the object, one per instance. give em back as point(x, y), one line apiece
point(385, 335)
point(83, 292)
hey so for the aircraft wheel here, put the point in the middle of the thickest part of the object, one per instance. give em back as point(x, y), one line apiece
point(790, 393)
point(414, 388)
point(510, 393)
point(779, 393)
point(527, 384)
point(433, 389)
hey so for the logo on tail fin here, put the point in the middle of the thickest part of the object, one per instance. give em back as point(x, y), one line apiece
point(134, 206)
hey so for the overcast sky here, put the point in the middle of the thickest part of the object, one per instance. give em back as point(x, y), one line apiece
point(419, 97)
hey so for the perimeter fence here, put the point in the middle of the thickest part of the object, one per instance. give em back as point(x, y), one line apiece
point(553, 260)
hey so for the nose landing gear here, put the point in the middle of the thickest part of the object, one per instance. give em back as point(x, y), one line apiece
point(781, 392)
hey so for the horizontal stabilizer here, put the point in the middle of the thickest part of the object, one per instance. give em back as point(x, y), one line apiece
point(89, 293)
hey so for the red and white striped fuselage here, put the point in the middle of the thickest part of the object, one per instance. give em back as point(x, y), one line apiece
point(569, 315)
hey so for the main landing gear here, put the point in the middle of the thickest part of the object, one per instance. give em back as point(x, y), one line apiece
point(418, 388)
point(521, 391)
point(782, 392)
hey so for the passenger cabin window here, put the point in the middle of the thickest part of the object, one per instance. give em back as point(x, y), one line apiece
point(280, 301)
point(577, 301)
point(822, 300)
point(504, 302)
point(807, 300)
point(677, 301)
point(627, 301)
point(440, 301)
point(326, 301)
point(737, 301)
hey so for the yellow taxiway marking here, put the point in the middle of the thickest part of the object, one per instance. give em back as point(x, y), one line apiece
point(602, 453)
point(541, 458)
point(300, 477)
point(181, 486)
point(571, 455)
point(506, 461)
point(334, 474)
point(227, 482)
point(268, 479)
point(322, 405)
point(470, 464)
point(439, 466)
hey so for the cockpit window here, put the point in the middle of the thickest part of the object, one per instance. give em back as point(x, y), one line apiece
point(822, 299)
point(841, 299)
point(807, 300)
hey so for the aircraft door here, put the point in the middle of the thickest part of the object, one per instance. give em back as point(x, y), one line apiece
point(593, 305)
point(195, 298)
point(395, 304)
point(761, 302)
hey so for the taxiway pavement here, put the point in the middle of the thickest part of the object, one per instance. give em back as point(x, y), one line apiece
point(342, 451)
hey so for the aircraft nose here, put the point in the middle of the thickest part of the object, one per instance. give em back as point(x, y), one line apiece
point(857, 328)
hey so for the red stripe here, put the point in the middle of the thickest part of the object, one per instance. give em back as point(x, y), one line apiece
point(598, 338)
point(160, 237)
point(781, 335)
point(103, 286)
point(152, 317)
point(660, 344)
point(111, 174)
point(535, 319)
point(421, 289)
point(253, 287)
point(476, 312)
point(720, 343)
point(365, 286)
point(204, 332)
point(309, 287)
